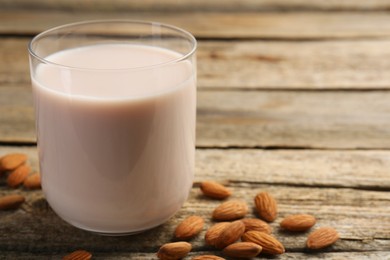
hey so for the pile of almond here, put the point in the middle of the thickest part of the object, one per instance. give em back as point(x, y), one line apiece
point(240, 237)
point(17, 172)
point(233, 234)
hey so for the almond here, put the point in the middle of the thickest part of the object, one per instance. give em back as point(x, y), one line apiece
point(33, 181)
point(78, 255)
point(214, 190)
point(256, 225)
point(301, 222)
point(242, 250)
point(18, 175)
point(230, 210)
point(11, 201)
point(173, 251)
point(230, 234)
point(266, 206)
point(10, 162)
point(214, 231)
point(207, 257)
point(322, 237)
point(189, 227)
point(269, 243)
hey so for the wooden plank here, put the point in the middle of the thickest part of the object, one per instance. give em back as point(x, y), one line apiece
point(260, 64)
point(295, 65)
point(349, 211)
point(16, 115)
point(203, 5)
point(354, 213)
point(295, 119)
point(293, 26)
point(298, 167)
point(147, 256)
point(360, 170)
point(344, 120)
point(14, 63)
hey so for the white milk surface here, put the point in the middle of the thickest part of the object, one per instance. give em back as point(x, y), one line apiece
point(116, 140)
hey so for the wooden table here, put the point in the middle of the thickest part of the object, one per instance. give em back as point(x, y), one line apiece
point(293, 99)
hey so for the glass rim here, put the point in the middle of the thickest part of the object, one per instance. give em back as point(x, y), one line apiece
point(182, 57)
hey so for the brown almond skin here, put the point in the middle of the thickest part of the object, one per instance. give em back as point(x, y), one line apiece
point(322, 237)
point(173, 251)
point(230, 234)
point(298, 223)
point(214, 231)
point(266, 206)
point(269, 243)
point(78, 255)
point(242, 250)
point(189, 227)
point(214, 190)
point(11, 161)
point(17, 176)
point(11, 201)
point(33, 181)
point(256, 225)
point(230, 210)
point(207, 257)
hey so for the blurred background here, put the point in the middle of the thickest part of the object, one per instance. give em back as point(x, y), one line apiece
point(308, 64)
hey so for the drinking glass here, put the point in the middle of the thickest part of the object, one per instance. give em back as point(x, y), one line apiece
point(115, 106)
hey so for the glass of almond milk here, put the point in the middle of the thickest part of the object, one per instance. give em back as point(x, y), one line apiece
point(115, 105)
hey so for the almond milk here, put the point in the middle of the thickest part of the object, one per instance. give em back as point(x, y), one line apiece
point(116, 135)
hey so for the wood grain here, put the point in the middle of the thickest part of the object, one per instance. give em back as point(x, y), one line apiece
point(16, 115)
point(259, 64)
point(270, 25)
point(383, 255)
point(295, 65)
point(300, 119)
point(295, 119)
point(349, 169)
point(354, 213)
point(349, 211)
point(203, 5)
point(14, 64)
point(358, 170)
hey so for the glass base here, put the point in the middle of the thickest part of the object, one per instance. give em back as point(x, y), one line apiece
point(118, 234)
point(113, 233)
